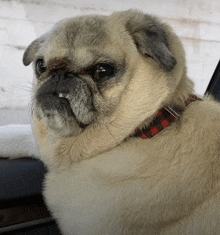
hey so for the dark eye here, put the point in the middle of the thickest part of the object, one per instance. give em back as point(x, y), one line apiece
point(102, 72)
point(40, 66)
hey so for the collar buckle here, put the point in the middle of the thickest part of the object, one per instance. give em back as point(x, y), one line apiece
point(172, 112)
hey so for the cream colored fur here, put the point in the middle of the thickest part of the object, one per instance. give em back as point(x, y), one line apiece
point(99, 184)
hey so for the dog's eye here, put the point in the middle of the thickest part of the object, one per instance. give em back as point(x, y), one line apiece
point(40, 67)
point(102, 72)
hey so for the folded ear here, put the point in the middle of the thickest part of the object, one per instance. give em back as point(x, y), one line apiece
point(151, 40)
point(32, 49)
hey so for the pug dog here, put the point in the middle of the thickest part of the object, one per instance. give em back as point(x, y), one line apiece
point(128, 146)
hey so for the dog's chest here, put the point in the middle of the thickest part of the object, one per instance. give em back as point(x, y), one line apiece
point(93, 178)
point(81, 196)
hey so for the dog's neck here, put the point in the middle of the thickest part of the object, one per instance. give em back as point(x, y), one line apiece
point(163, 119)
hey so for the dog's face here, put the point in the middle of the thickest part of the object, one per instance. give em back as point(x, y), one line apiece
point(84, 67)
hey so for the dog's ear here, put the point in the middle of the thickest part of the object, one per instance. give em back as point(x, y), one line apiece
point(32, 49)
point(151, 40)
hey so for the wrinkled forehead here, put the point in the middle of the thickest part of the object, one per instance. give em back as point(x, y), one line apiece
point(82, 39)
point(81, 31)
point(73, 33)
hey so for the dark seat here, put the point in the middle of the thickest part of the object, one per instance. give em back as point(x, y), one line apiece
point(20, 178)
point(22, 209)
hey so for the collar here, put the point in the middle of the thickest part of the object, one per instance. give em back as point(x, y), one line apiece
point(163, 119)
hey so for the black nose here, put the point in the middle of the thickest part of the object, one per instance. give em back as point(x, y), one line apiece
point(61, 75)
point(63, 82)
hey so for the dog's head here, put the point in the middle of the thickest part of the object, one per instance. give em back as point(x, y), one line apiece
point(88, 67)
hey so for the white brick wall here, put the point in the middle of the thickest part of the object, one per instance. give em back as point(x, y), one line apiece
point(197, 22)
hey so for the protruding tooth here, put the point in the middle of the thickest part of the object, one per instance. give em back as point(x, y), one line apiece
point(61, 95)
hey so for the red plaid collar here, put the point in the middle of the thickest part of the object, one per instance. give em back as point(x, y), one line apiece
point(164, 118)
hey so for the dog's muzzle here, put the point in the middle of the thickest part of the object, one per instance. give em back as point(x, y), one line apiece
point(69, 95)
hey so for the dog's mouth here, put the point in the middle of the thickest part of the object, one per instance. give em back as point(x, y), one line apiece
point(61, 106)
point(64, 100)
point(67, 99)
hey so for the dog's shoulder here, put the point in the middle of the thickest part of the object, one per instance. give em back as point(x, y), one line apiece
point(205, 113)
point(201, 121)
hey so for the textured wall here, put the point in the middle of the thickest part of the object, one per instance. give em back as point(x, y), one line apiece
point(197, 22)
